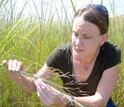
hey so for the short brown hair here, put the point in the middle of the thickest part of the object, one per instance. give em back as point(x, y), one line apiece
point(94, 16)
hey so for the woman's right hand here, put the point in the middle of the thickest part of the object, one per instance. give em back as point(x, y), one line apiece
point(14, 66)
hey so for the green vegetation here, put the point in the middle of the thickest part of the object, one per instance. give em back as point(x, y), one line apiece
point(31, 40)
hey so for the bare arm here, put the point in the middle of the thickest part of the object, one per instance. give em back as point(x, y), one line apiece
point(104, 90)
point(26, 83)
point(103, 93)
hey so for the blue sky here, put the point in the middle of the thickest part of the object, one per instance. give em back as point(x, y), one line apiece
point(50, 6)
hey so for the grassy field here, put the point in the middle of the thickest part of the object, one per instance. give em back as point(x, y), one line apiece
point(31, 40)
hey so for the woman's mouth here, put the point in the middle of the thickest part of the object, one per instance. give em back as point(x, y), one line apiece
point(79, 50)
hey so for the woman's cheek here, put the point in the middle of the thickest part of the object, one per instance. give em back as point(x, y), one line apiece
point(73, 39)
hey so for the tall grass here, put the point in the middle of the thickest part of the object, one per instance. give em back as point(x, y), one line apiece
point(32, 39)
point(116, 33)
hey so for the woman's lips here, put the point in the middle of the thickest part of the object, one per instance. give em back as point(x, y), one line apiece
point(79, 50)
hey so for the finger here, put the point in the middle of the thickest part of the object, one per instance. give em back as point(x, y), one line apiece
point(10, 65)
point(4, 62)
point(14, 65)
point(42, 98)
point(41, 95)
point(19, 66)
point(42, 89)
point(41, 83)
point(36, 84)
point(46, 92)
point(47, 89)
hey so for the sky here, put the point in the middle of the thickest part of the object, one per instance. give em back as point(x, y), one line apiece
point(34, 7)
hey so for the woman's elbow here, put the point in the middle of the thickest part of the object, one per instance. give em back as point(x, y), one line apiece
point(101, 102)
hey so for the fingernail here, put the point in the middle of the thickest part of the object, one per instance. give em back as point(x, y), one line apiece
point(17, 69)
point(9, 68)
point(4, 61)
point(35, 82)
point(39, 80)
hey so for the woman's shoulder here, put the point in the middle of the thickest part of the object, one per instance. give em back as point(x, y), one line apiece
point(111, 54)
point(110, 47)
point(61, 50)
point(67, 46)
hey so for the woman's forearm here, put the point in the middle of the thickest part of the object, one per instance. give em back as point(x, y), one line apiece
point(25, 83)
point(91, 101)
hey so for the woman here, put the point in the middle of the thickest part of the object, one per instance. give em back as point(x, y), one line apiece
point(89, 65)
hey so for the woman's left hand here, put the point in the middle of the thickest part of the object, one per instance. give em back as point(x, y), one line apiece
point(48, 95)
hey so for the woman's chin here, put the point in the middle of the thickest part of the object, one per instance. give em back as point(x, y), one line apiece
point(79, 54)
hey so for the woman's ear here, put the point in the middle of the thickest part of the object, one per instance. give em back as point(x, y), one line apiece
point(103, 38)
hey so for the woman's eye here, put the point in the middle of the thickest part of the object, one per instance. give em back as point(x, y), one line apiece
point(86, 37)
point(75, 34)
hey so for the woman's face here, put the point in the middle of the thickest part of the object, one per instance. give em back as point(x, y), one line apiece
point(86, 38)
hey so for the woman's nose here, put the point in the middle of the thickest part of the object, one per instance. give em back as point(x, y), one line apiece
point(78, 40)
